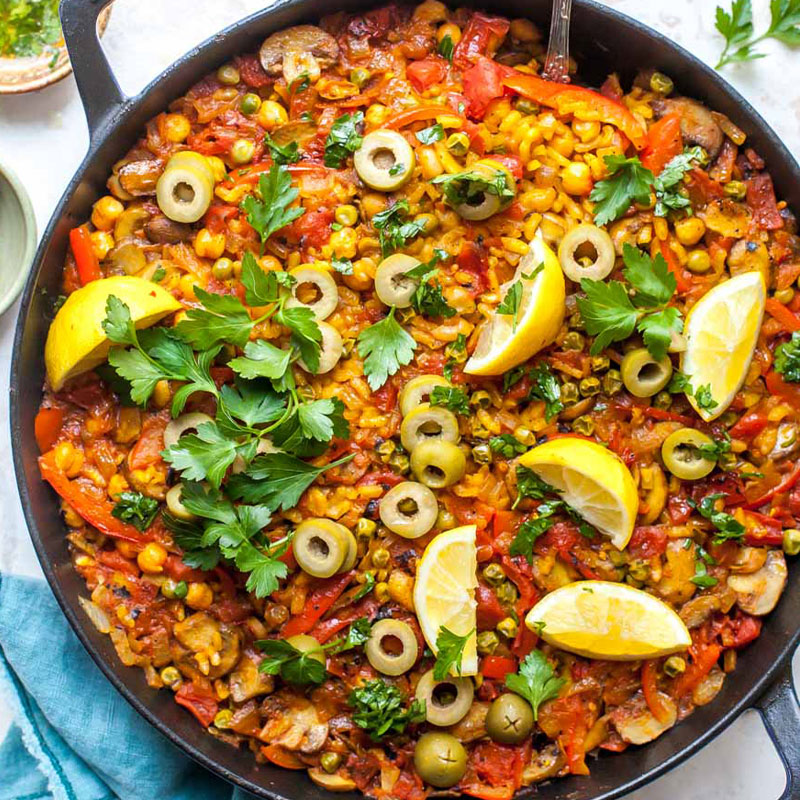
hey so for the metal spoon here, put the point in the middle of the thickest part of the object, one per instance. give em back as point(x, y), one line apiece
point(556, 65)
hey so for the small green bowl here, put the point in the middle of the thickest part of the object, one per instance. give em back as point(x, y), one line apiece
point(17, 235)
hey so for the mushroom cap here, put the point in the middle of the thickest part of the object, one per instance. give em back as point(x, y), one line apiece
point(299, 39)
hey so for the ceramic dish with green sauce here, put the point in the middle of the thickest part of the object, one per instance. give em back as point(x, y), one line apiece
point(18, 234)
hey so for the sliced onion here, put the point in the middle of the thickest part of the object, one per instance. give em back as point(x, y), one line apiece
point(96, 615)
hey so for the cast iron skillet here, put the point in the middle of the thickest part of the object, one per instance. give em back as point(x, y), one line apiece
point(603, 41)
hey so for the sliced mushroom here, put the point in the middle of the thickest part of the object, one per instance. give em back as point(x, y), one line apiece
point(545, 763)
point(708, 688)
point(161, 230)
point(698, 610)
point(749, 559)
point(473, 726)
point(246, 681)
point(697, 124)
point(295, 726)
point(653, 487)
point(218, 643)
point(635, 722)
point(786, 442)
point(140, 177)
point(294, 51)
point(676, 584)
point(758, 592)
point(333, 783)
point(726, 217)
point(749, 256)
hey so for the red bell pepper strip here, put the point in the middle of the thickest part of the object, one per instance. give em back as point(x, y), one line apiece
point(763, 530)
point(777, 386)
point(497, 667)
point(704, 657)
point(683, 278)
point(47, 426)
point(761, 200)
point(200, 701)
point(322, 598)
point(417, 115)
point(324, 630)
point(664, 142)
point(784, 486)
point(80, 241)
point(426, 73)
point(789, 320)
point(651, 695)
point(583, 104)
point(97, 512)
point(750, 424)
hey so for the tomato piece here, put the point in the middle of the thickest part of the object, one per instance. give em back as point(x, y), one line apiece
point(385, 398)
point(199, 699)
point(426, 73)
point(481, 35)
point(648, 541)
point(683, 278)
point(583, 104)
point(322, 598)
point(761, 200)
point(80, 242)
point(784, 486)
point(116, 561)
point(251, 71)
point(178, 571)
point(514, 165)
point(745, 629)
point(489, 611)
point(323, 631)
point(47, 426)
point(664, 142)
point(483, 82)
point(789, 320)
point(387, 478)
point(703, 656)
point(497, 667)
point(472, 258)
point(705, 187)
point(217, 216)
point(314, 227)
point(754, 422)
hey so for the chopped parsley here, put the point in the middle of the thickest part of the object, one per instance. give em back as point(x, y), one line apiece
point(727, 526)
point(512, 301)
point(545, 386)
point(394, 229)
point(787, 358)
point(451, 397)
point(380, 708)
point(344, 138)
point(282, 154)
point(667, 184)
point(470, 186)
point(269, 209)
point(507, 445)
point(446, 48)
point(136, 509)
point(434, 133)
point(344, 266)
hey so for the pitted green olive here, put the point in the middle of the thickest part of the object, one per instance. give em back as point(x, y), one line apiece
point(392, 285)
point(482, 204)
point(175, 505)
point(320, 546)
point(642, 375)
point(330, 349)
point(510, 719)
point(438, 463)
point(586, 251)
point(185, 189)
point(183, 424)
point(309, 645)
point(446, 702)
point(426, 423)
point(197, 161)
point(440, 759)
point(385, 160)
point(409, 509)
point(352, 553)
point(392, 647)
point(315, 289)
point(682, 457)
point(418, 390)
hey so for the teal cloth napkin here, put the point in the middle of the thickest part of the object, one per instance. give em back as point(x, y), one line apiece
point(74, 736)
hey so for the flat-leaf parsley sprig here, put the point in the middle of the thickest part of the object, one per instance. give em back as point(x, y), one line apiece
point(269, 208)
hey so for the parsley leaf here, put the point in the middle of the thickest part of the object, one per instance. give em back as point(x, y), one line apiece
point(727, 526)
point(136, 509)
point(203, 456)
point(261, 360)
point(385, 347)
point(607, 312)
point(680, 383)
point(428, 298)
point(470, 186)
point(293, 665)
point(532, 528)
point(394, 230)
point(737, 28)
point(627, 182)
point(651, 278)
point(701, 577)
point(282, 154)
point(450, 651)
point(536, 681)
point(270, 208)
point(456, 353)
point(657, 328)
point(343, 138)
point(379, 708)
point(507, 445)
point(366, 588)
point(787, 358)
point(343, 266)
point(668, 194)
point(451, 397)
point(446, 47)
point(529, 484)
point(545, 386)
point(434, 133)
point(222, 319)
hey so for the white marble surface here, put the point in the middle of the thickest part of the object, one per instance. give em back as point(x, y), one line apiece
point(43, 138)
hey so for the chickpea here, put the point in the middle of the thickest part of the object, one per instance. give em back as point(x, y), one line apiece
point(105, 212)
point(363, 275)
point(217, 167)
point(690, 231)
point(209, 245)
point(346, 215)
point(539, 199)
point(376, 114)
point(271, 114)
point(162, 394)
point(431, 11)
point(577, 179)
point(116, 485)
point(176, 128)
point(343, 242)
point(199, 596)
point(401, 589)
point(69, 459)
point(372, 203)
point(451, 30)
point(152, 558)
point(586, 130)
point(102, 242)
point(430, 222)
point(243, 151)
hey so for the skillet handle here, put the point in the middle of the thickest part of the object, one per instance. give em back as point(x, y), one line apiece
point(781, 714)
point(98, 88)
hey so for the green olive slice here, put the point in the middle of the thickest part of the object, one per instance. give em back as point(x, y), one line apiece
point(409, 509)
point(308, 645)
point(184, 192)
point(447, 701)
point(510, 719)
point(330, 349)
point(321, 283)
point(320, 546)
point(440, 759)
point(352, 553)
point(197, 161)
point(175, 504)
point(642, 375)
point(385, 160)
point(682, 456)
point(590, 244)
point(183, 424)
point(438, 463)
point(483, 204)
point(392, 285)
point(392, 647)
point(427, 422)
point(418, 391)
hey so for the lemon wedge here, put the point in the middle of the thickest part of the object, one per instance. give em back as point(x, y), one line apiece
point(501, 344)
point(602, 619)
point(591, 479)
point(444, 591)
point(721, 333)
point(76, 341)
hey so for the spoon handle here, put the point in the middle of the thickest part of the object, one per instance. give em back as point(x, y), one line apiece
point(556, 65)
